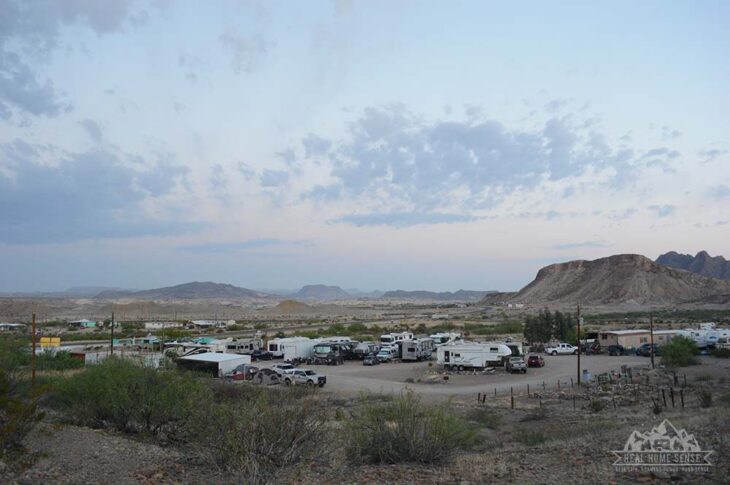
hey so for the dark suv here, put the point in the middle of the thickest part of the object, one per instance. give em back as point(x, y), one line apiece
point(535, 360)
point(645, 350)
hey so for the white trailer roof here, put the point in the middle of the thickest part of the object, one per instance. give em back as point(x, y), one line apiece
point(215, 357)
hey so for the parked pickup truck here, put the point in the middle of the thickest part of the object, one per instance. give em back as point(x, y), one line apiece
point(304, 376)
point(561, 348)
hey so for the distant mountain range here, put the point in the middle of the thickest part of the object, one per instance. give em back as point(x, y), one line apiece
point(187, 291)
point(461, 295)
point(702, 263)
point(619, 279)
point(321, 292)
point(75, 292)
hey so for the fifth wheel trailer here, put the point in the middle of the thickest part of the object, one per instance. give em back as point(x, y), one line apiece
point(472, 355)
point(418, 349)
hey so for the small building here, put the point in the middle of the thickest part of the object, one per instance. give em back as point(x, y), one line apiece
point(628, 339)
point(214, 363)
point(440, 316)
point(212, 323)
point(161, 325)
point(12, 327)
point(84, 323)
point(663, 337)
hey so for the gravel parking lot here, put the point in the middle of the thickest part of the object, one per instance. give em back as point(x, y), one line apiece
point(352, 377)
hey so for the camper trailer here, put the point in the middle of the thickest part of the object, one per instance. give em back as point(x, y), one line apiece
point(276, 345)
point(418, 349)
point(244, 345)
point(472, 355)
point(394, 338)
point(365, 348)
point(299, 350)
point(444, 338)
point(329, 352)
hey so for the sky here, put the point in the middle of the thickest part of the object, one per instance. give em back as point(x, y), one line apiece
point(367, 144)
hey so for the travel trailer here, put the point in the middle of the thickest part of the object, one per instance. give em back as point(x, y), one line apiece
point(418, 349)
point(444, 338)
point(276, 345)
point(244, 345)
point(394, 338)
point(366, 348)
point(472, 355)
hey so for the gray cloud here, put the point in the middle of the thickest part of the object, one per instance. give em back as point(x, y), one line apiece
point(663, 210)
point(469, 165)
point(246, 51)
point(402, 219)
point(29, 31)
point(92, 129)
point(710, 154)
point(84, 195)
point(231, 247)
point(273, 178)
point(578, 245)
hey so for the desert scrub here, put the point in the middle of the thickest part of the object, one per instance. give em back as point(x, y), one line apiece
point(679, 352)
point(254, 438)
point(123, 395)
point(406, 430)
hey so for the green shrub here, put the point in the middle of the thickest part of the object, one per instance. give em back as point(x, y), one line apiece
point(254, 438)
point(61, 360)
point(405, 430)
point(18, 402)
point(123, 395)
point(355, 328)
point(679, 352)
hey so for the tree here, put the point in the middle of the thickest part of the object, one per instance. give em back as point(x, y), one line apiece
point(537, 330)
point(679, 352)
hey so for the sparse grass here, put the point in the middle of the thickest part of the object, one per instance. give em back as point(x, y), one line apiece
point(704, 378)
point(530, 437)
point(486, 417)
point(705, 398)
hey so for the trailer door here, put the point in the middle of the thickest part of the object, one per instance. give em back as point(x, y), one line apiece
point(446, 356)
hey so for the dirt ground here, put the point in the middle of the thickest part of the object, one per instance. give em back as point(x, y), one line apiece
point(353, 378)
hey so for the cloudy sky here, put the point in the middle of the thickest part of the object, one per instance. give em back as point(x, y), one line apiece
point(417, 145)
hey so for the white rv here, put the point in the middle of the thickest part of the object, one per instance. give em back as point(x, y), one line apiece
point(418, 349)
point(299, 349)
point(394, 338)
point(276, 345)
point(444, 338)
point(472, 355)
point(244, 345)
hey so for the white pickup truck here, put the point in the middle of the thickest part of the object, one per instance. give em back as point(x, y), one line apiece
point(561, 348)
point(303, 376)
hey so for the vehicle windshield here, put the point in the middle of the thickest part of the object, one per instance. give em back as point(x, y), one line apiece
point(516, 359)
point(309, 373)
point(322, 349)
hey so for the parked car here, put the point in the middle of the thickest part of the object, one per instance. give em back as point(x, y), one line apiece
point(386, 354)
point(535, 360)
point(244, 372)
point(516, 364)
point(371, 359)
point(617, 350)
point(561, 348)
point(304, 376)
point(645, 350)
point(281, 368)
point(260, 354)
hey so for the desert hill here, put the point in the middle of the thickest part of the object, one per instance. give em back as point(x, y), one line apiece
point(619, 279)
point(702, 263)
point(187, 291)
point(321, 292)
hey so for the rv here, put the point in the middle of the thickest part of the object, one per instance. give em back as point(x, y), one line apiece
point(276, 345)
point(365, 348)
point(299, 350)
point(394, 338)
point(443, 338)
point(472, 355)
point(418, 349)
point(244, 346)
point(330, 352)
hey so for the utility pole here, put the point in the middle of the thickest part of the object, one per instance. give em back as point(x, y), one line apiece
point(578, 339)
point(651, 337)
point(112, 337)
point(32, 357)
